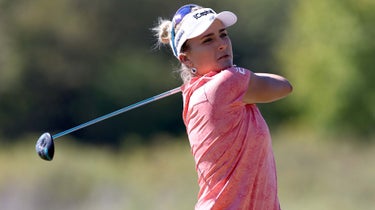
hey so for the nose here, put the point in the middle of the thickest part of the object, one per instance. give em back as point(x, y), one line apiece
point(223, 44)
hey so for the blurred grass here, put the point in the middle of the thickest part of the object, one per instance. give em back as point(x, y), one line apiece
point(325, 173)
point(313, 172)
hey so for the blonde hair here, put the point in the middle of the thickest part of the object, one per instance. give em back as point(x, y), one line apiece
point(163, 34)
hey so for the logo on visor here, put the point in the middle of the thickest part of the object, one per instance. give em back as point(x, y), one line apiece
point(204, 13)
point(179, 35)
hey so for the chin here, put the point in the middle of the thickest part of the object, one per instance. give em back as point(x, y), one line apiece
point(225, 65)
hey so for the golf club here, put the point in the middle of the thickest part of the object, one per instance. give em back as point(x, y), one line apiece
point(45, 145)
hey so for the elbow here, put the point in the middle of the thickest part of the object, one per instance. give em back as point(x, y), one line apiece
point(289, 87)
point(285, 90)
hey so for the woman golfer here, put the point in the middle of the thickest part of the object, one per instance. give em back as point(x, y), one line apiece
point(229, 138)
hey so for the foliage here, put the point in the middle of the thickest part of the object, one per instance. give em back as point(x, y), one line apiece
point(326, 53)
point(65, 62)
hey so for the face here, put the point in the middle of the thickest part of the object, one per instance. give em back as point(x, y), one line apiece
point(211, 51)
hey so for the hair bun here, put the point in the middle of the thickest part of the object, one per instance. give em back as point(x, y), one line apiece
point(164, 31)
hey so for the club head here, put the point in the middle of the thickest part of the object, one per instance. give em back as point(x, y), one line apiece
point(45, 147)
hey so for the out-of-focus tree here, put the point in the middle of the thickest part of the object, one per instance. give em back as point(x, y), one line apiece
point(327, 52)
point(69, 61)
point(65, 62)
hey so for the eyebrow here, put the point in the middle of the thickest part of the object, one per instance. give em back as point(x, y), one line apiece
point(210, 34)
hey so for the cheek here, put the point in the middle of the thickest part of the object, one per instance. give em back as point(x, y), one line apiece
point(202, 55)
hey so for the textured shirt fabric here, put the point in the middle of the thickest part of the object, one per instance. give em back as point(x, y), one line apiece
point(230, 142)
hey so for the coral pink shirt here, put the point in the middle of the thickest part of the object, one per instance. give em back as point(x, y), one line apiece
point(230, 142)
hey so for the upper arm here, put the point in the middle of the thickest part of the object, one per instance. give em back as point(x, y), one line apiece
point(264, 87)
point(228, 87)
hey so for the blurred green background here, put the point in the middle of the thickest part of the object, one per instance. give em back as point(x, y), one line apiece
point(65, 62)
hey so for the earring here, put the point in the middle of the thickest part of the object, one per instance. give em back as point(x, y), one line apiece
point(193, 70)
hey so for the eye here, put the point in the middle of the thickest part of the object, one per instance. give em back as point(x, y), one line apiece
point(224, 34)
point(207, 40)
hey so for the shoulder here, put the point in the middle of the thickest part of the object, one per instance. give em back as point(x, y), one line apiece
point(229, 84)
point(234, 77)
point(239, 70)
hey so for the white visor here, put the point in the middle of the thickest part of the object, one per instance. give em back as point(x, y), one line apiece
point(196, 23)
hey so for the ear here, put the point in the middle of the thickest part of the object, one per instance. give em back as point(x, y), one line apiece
point(184, 58)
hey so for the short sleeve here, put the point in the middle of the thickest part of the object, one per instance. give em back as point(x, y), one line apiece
point(228, 87)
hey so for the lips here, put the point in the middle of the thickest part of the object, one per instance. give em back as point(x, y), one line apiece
point(223, 57)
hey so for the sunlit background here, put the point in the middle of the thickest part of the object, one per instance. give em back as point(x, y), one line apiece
point(65, 62)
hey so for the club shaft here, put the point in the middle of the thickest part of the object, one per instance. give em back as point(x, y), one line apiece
point(117, 112)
